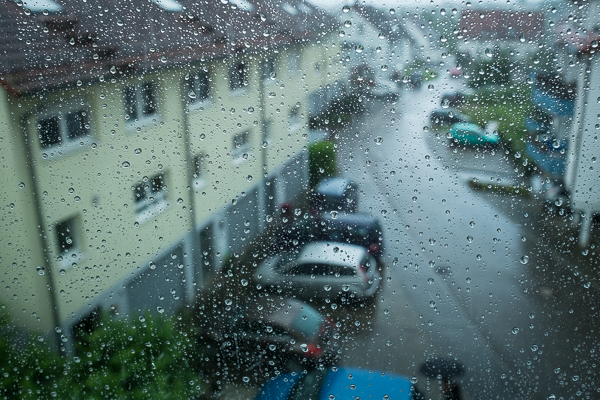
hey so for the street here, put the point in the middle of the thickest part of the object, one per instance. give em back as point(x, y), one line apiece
point(467, 274)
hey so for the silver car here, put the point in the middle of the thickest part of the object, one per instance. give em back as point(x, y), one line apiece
point(321, 270)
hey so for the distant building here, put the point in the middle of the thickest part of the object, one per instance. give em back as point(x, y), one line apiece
point(482, 33)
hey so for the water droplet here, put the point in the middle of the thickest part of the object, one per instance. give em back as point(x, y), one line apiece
point(152, 265)
point(430, 281)
point(430, 87)
point(327, 288)
point(431, 241)
point(334, 214)
point(336, 249)
point(246, 379)
point(470, 239)
point(524, 259)
point(414, 380)
point(472, 224)
point(249, 178)
point(346, 9)
point(126, 164)
point(378, 140)
point(244, 282)
point(489, 53)
point(21, 185)
point(192, 94)
point(345, 288)
point(40, 270)
point(515, 330)
point(160, 309)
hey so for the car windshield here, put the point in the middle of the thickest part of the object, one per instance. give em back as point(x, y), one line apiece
point(420, 176)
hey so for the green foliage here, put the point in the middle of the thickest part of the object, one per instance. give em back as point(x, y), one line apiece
point(322, 161)
point(493, 71)
point(338, 113)
point(507, 104)
point(150, 357)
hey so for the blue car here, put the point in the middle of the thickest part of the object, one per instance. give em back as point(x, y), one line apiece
point(341, 383)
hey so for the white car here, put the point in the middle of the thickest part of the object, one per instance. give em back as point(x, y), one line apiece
point(386, 89)
point(321, 270)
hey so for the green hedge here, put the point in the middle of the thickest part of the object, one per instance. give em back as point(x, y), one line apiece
point(150, 357)
point(322, 161)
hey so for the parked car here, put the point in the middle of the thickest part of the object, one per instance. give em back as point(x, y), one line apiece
point(336, 194)
point(264, 329)
point(456, 72)
point(386, 90)
point(355, 228)
point(452, 99)
point(321, 270)
point(416, 79)
point(447, 116)
point(339, 383)
point(472, 135)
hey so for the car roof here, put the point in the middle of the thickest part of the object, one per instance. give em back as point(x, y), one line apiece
point(467, 126)
point(331, 252)
point(333, 186)
point(358, 218)
point(350, 383)
point(343, 383)
point(282, 311)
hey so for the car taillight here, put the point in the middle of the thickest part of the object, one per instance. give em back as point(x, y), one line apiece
point(363, 272)
point(374, 248)
point(313, 350)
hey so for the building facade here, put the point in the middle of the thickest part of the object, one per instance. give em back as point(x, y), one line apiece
point(143, 149)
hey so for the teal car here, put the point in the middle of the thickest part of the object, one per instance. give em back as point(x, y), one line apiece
point(472, 135)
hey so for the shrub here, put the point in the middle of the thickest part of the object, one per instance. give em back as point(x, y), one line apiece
point(322, 161)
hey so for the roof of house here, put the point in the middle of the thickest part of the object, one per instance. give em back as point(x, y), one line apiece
point(47, 44)
point(387, 24)
point(499, 24)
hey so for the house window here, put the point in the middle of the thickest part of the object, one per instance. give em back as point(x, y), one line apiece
point(294, 117)
point(294, 61)
point(63, 128)
point(198, 87)
point(241, 145)
point(198, 169)
point(66, 239)
point(141, 101)
point(270, 68)
point(150, 194)
point(238, 76)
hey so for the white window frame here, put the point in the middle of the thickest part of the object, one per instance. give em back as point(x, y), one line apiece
point(199, 170)
point(66, 143)
point(153, 202)
point(140, 117)
point(74, 253)
point(192, 83)
point(270, 67)
point(238, 151)
point(234, 74)
point(294, 118)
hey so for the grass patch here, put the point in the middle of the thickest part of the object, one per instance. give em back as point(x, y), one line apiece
point(502, 189)
point(509, 105)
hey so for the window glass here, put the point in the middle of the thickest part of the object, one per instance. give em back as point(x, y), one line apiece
point(165, 171)
point(49, 131)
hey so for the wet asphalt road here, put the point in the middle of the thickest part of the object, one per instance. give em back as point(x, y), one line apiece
point(468, 274)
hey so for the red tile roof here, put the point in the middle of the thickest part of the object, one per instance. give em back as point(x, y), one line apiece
point(503, 25)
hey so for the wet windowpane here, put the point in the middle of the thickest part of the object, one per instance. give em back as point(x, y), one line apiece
point(65, 236)
point(149, 99)
point(49, 131)
point(77, 124)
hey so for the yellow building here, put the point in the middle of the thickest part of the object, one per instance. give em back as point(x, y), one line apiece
point(141, 145)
